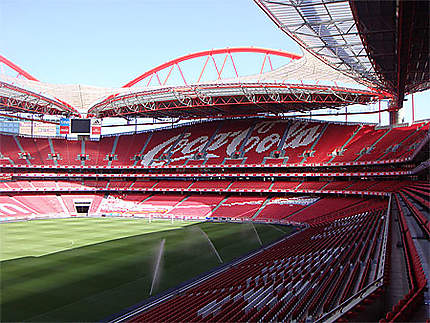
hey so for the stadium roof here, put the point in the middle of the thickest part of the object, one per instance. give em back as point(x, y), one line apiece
point(384, 43)
point(230, 99)
point(18, 99)
point(78, 96)
point(302, 84)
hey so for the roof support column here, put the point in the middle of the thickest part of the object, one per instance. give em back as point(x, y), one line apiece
point(393, 110)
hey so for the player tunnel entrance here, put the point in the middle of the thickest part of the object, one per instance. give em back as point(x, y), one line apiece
point(82, 207)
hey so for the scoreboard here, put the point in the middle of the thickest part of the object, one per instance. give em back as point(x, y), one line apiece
point(81, 127)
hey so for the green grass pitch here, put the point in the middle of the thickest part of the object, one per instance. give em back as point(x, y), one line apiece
point(86, 269)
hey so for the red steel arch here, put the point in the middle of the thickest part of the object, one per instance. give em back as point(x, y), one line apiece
point(44, 104)
point(209, 54)
point(17, 69)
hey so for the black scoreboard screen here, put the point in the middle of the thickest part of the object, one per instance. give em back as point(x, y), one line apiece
point(81, 126)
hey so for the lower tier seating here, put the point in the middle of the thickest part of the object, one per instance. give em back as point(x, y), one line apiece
point(39, 206)
point(414, 257)
point(302, 277)
point(239, 207)
point(196, 206)
point(278, 208)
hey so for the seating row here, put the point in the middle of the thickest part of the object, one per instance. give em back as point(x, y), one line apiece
point(227, 142)
point(373, 187)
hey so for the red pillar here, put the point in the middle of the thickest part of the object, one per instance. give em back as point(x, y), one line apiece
point(379, 113)
point(346, 114)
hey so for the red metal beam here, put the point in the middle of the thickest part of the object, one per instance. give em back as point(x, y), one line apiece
point(28, 76)
point(17, 69)
point(210, 53)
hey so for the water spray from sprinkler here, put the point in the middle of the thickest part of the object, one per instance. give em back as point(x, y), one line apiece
point(211, 244)
point(157, 266)
point(256, 233)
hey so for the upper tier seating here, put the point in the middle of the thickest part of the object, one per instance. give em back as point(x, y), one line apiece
point(391, 143)
point(173, 184)
point(124, 149)
point(338, 185)
point(68, 152)
point(98, 154)
point(37, 148)
point(191, 142)
point(10, 152)
point(228, 142)
point(359, 144)
point(210, 184)
point(143, 184)
point(272, 132)
point(324, 149)
point(410, 144)
point(285, 185)
point(119, 184)
point(312, 185)
point(254, 185)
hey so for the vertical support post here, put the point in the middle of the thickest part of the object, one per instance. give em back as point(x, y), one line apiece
point(203, 69)
point(393, 111)
point(168, 75)
point(270, 63)
point(216, 67)
point(379, 111)
point(346, 114)
point(262, 66)
point(158, 78)
point(182, 75)
point(150, 79)
point(413, 108)
point(234, 65)
point(222, 67)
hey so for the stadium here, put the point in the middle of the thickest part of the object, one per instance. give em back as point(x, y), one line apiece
point(227, 196)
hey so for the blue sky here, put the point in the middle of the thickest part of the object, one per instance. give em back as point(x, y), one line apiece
point(107, 43)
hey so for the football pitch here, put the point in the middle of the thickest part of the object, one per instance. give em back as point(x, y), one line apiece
point(87, 269)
